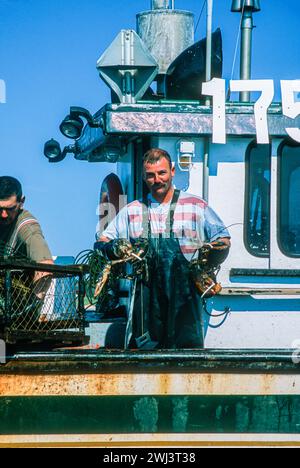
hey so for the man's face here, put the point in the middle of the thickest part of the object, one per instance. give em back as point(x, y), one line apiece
point(9, 210)
point(158, 177)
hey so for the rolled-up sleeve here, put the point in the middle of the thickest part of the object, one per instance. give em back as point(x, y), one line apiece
point(37, 248)
point(118, 228)
point(214, 227)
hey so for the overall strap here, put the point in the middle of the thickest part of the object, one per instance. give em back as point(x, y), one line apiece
point(146, 224)
point(170, 217)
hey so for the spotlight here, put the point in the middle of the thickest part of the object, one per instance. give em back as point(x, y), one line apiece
point(53, 153)
point(72, 125)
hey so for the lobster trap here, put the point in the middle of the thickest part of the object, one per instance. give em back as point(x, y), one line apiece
point(41, 302)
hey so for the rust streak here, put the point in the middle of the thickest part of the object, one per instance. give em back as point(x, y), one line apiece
point(149, 384)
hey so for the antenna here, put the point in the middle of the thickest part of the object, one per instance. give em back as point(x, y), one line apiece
point(209, 39)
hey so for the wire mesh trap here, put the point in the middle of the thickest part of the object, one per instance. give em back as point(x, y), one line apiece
point(41, 302)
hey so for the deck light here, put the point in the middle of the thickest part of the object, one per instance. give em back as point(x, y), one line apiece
point(53, 152)
point(72, 125)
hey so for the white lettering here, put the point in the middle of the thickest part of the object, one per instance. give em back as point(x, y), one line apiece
point(161, 457)
point(2, 352)
point(290, 107)
point(261, 106)
point(296, 352)
point(2, 92)
point(114, 458)
point(290, 90)
point(216, 89)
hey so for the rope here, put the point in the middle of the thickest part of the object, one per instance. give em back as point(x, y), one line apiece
point(224, 314)
point(200, 16)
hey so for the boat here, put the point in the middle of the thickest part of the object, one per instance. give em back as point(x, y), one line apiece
point(243, 157)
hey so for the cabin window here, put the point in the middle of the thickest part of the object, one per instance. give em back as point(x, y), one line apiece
point(289, 204)
point(257, 204)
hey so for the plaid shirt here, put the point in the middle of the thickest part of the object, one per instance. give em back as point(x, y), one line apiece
point(194, 222)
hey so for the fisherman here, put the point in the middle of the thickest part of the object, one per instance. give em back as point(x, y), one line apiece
point(20, 233)
point(167, 309)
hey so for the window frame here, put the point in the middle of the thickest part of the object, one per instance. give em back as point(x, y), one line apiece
point(252, 145)
point(289, 143)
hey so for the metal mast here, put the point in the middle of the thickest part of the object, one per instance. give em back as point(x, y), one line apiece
point(246, 8)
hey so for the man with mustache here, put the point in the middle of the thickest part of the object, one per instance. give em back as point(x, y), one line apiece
point(167, 310)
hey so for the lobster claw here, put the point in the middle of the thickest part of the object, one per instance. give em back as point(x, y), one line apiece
point(102, 280)
point(207, 285)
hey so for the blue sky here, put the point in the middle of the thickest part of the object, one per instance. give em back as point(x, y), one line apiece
point(48, 54)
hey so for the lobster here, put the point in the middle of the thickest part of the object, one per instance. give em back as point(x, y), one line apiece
point(101, 281)
point(204, 271)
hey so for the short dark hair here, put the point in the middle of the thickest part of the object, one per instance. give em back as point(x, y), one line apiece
point(9, 186)
point(156, 154)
